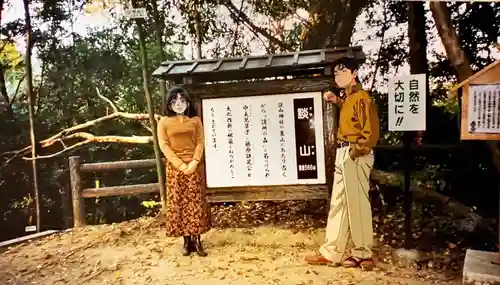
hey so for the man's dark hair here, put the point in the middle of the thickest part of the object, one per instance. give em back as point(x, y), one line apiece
point(348, 63)
point(171, 95)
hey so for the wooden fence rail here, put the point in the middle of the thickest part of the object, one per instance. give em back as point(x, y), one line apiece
point(78, 193)
point(229, 194)
point(263, 193)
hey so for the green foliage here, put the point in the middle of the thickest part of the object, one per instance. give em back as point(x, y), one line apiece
point(10, 57)
point(106, 59)
point(74, 65)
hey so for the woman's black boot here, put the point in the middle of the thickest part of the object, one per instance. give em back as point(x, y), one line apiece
point(197, 246)
point(186, 247)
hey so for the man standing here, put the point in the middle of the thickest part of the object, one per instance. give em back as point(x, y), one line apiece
point(350, 210)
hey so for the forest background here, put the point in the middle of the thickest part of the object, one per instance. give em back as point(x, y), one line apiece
point(84, 49)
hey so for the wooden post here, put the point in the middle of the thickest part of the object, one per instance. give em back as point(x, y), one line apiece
point(76, 190)
point(330, 125)
point(418, 64)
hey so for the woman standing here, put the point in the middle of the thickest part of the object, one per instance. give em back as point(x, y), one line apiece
point(181, 139)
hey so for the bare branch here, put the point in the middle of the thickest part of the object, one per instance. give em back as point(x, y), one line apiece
point(147, 127)
point(74, 132)
point(16, 155)
point(90, 138)
point(94, 122)
point(236, 29)
point(239, 15)
point(304, 21)
point(17, 88)
point(111, 139)
point(113, 106)
point(115, 109)
point(66, 134)
point(64, 150)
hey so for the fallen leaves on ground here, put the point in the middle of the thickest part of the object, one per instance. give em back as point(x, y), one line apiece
point(251, 243)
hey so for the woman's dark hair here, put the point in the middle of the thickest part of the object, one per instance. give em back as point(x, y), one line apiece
point(171, 95)
point(348, 63)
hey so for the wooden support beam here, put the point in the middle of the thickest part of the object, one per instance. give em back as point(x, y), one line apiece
point(296, 58)
point(243, 63)
point(269, 60)
point(268, 193)
point(127, 190)
point(218, 65)
point(227, 194)
point(267, 87)
point(118, 165)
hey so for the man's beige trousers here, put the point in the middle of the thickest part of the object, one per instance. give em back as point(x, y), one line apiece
point(350, 208)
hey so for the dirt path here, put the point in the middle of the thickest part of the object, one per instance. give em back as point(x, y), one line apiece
point(138, 252)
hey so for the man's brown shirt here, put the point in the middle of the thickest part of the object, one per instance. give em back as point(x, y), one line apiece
point(359, 122)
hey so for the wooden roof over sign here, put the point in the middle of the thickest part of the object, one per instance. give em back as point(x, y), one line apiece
point(225, 69)
point(475, 75)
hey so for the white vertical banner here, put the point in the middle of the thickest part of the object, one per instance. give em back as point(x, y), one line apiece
point(483, 112)
point(264, 140)
point(407, 102)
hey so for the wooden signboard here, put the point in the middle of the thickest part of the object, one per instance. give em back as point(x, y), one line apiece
point(480, 117)
point(268, 133)
point(265, 140)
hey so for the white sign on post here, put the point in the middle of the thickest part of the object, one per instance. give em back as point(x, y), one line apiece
point(30, 229)
point(264, 140)
point(407, 101)
point(135, 13)
point(483, 114)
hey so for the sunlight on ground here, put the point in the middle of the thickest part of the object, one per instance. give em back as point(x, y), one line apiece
point(137, 252)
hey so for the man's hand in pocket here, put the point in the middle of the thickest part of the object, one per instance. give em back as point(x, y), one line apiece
point(353, 154)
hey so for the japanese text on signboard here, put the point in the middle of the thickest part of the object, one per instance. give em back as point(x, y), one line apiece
point(248, 144)
point(271, 140)
point(230, 139)
point(306, 144)
point(407, 99)
point(483, 114)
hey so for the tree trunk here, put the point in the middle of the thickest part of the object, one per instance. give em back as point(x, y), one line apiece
point(152, 121)
point(2, 2)
point(417, 39)
point(198, 35)
point(31, 110)
point(451, 42)
point(158, 26)
point(457, 57)
point(332, 23)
